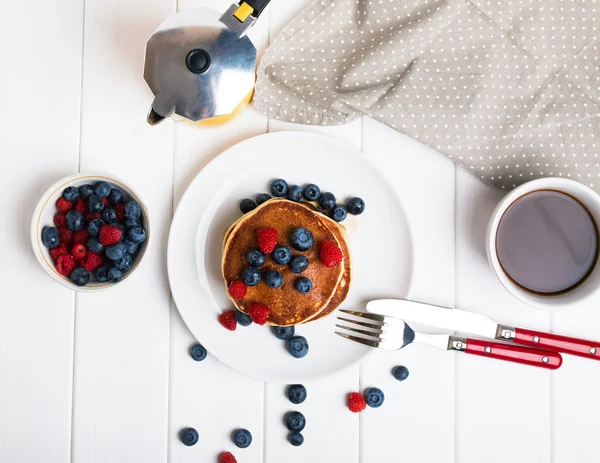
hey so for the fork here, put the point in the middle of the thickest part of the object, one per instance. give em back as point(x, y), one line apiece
point(391, 333)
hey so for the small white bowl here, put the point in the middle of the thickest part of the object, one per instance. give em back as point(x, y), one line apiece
point(43, 216)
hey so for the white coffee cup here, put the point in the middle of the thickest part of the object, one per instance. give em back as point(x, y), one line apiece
point(569, 299)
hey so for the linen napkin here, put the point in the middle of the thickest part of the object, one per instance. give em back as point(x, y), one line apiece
point(509, 89)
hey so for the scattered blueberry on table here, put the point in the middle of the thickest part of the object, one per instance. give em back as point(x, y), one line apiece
point(283, 332)
point(296, 393)
point(279, 188)
point(374, 397)
point(242, 438)
point(311, 192)
point(247, 205)
point(242, 318)
point(295, 421)
point(400, 372)
point(295, 193)
point(198, 352)
point(297, 346)
point(188, 436)
point(296, 439)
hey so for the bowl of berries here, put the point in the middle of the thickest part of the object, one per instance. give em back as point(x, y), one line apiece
point(89, 231)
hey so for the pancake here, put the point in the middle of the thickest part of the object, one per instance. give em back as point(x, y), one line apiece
point(288, 306)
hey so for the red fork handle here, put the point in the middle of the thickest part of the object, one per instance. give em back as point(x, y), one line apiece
point(511, 353)
point(557, 343)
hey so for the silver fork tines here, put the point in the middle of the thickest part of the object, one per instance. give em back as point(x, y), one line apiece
point(372, 329)
point(364, 341)
point(372, 333)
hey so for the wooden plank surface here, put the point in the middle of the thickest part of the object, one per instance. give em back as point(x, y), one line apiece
point(39, 144)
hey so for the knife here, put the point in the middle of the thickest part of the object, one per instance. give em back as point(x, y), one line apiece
point(481, 325)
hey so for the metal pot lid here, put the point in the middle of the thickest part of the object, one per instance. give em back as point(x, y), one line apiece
point(197, 67)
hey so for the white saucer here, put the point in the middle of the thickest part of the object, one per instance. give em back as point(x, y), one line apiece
point(379, 241)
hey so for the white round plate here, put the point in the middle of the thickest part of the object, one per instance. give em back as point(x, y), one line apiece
point(379, 241)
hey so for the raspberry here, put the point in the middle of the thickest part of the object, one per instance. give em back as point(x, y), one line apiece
point(79, 251)
point(61, 250)
point(331, 255)
point(109, 235)
point(238, 289)
point(60, 219)
point(81, 236)
point(92, 261)
point(120, 208)
point(227, 457)
point(267, 239)
point(106, 202)
point(356, 402)
point(88, 216)
point(65, 265)
point(63, 205)
point(227, 319)
point(258, 313)
point(81, 205)
point(66, 235)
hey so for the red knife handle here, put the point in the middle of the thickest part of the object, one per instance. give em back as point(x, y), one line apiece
point(510, 353)
point(557, 343)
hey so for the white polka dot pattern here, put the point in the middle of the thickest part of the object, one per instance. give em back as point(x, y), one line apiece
point(510, 89)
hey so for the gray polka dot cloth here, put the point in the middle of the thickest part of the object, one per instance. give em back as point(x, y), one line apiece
point(510, 89)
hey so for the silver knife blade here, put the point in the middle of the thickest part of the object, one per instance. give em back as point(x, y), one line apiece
point(436, 316)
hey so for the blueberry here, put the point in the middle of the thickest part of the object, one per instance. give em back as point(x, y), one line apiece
point(297, 346)
point(50, 237)
point(295, 421)
point(132, 223)
point(283, 332)
point(242, 318)
point(311, 192)
point(242, 438)
point(133, 210)
point(327, 201)
point(247, 205)
point(85, 191)
point(94, 227)
point(80, 276)
point(115, 275)
point(131, 247)
point(102, 189)
point(116, 251)
point(374, 397)
point(120, 226)
point(198, 352)
point(339, 213)
point(94, 245)
point(273, 278)
point(256, 258)
point(136, 235)
point(115, 197)
point(296, 393)
point(302, 239)
point(109, 215)
point(355, 206)
point(299, 264)
point(261, 198)
point(296, 439)
point(282, 255)
point(279, 188)
point(295, 193)
point(303, 285)
point(71, 193)
point(95, 204)
point(102, 273)
point(75, 220)
point(251, 276)
point(400, 372)
point(188, 436)
point(124, 263)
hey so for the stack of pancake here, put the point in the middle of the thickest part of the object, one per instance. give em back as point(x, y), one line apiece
point(288, 306)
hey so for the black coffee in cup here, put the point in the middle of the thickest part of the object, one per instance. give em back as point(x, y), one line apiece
point(547, 242)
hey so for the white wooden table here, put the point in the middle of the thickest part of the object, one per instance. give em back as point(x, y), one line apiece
point(107, 378)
